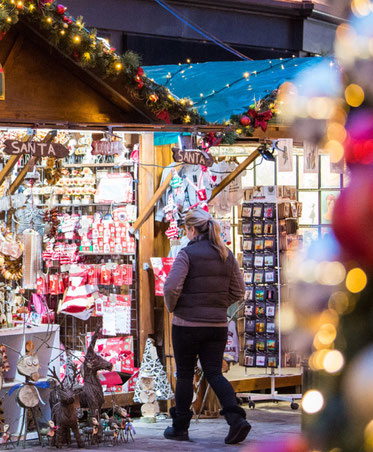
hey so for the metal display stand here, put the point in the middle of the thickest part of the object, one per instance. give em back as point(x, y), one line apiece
point(273, 395)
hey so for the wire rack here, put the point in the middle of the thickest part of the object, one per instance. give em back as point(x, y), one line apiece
point(73, 330)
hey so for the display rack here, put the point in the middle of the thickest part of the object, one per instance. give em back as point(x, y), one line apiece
point(265, 241)
point(73, 329)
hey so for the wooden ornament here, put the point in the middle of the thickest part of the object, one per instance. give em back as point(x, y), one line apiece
point(150, 409)
point(29, 366)
point(27, 396)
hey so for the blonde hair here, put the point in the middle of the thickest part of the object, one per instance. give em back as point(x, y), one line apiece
point(203, 222)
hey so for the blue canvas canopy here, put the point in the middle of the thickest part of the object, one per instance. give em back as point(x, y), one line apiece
point(220, 89)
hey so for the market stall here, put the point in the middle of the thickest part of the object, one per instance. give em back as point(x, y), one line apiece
point(77, 169)
point(253, 155)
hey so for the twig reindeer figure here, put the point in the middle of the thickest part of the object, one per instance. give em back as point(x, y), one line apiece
point(63, 405)
point(92, 395)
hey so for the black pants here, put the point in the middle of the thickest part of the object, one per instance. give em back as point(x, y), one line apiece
point(209, 344)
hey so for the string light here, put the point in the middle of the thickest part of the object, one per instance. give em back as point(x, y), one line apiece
point(9, 19)
point(62, 32)
point(118, 66)
point(246, 75)
point(49, 20)
point(76, 39)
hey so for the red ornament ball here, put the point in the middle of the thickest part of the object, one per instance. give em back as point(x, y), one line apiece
point(60, 9)
point(359, 143)
point(245, 120)
point(352, 217)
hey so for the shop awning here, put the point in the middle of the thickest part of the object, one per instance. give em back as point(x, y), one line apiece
point(221, 89)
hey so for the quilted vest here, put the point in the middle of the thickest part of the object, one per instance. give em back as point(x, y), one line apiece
point(204, 297)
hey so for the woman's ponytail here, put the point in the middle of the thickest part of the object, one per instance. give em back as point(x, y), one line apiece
point(215, 239)
point(202, 221)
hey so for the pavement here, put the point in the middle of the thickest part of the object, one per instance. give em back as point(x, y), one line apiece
point(269, 421)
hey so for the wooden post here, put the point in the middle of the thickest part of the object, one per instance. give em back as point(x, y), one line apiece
point(241, 167)
point(146, 240)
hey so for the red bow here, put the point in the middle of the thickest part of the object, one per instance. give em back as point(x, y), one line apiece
point(138, 77)
point(163, 116)
point(261, 119)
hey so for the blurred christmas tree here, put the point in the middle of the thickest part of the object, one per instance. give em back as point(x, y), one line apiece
point(332, 107)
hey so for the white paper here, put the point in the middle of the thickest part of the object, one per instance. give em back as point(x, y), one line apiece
point(285, 155)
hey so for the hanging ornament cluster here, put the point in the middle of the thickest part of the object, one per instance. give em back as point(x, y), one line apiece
point(72, 38)
point(257, 116)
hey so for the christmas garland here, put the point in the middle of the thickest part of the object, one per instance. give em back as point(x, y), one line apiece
point(71, 37)
point(258, 115)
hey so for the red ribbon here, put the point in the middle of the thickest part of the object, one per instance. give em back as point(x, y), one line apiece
point(163, 116)
point(138, 77)
point(261, 119)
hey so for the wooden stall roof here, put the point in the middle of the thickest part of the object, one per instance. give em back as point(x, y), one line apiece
point(44, 87)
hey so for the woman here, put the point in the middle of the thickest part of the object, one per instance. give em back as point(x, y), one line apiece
point(204, 281)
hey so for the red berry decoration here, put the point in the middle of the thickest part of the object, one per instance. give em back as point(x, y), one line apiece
point(60, 9)
point(245, 120)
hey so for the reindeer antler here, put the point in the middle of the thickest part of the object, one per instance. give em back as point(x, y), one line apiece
point(54, 375)
point(94, 338)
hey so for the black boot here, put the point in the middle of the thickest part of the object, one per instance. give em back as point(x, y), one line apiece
point(180, 425)
point(238, 426)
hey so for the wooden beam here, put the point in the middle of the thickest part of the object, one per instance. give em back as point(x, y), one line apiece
point(22, 174)
point(11, 57)
point(11, 162)
point(148, 209)
point(241, 167)
point(146, 241)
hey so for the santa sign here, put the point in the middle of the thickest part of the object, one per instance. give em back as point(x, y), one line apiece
point(192, 156)
point(34, 148)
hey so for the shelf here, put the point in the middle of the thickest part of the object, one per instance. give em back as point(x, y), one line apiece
point(28, 330)
point(82, 205)
point(93, 253)
point(99, 165)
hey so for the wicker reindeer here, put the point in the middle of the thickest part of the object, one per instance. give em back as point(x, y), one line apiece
point(63, 402)
point(92, 395)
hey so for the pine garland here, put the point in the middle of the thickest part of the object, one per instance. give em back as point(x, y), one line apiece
point(257, 115)
point(73, 39)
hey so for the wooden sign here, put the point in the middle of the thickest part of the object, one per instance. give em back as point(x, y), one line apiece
point(192, 156)
point(107, 147)
point(38, 149)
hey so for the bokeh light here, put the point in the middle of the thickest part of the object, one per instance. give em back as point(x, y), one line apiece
point(339, 301)
point(312, 401)
point(356, 280)
point(335, 149)
point(326, 334)
point(354, 95)
point(368, 436)
point(333, 361)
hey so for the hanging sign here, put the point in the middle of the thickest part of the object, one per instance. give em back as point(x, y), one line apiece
point(39, 149)
point(192, 156)
point(107, 147)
